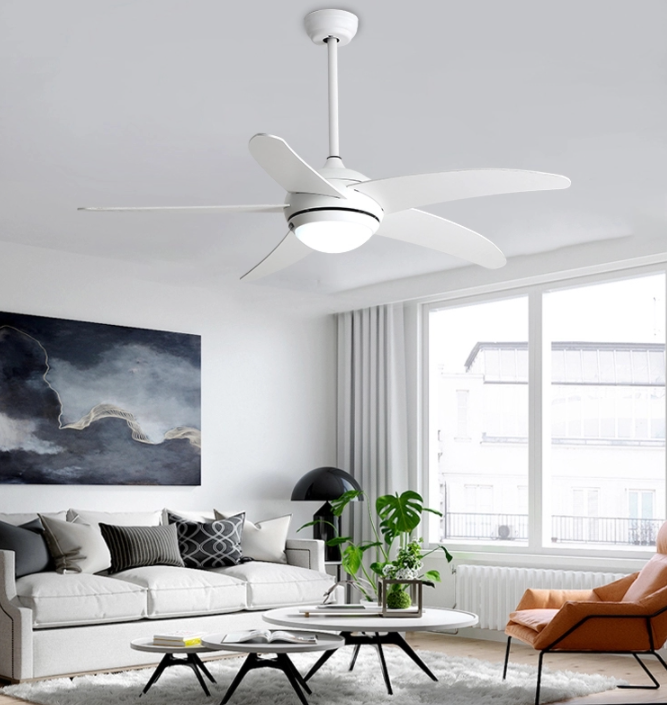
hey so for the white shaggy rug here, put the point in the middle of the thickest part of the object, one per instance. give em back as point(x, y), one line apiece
point(461, 681)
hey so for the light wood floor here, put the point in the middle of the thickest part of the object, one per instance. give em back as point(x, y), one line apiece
point(617, 666)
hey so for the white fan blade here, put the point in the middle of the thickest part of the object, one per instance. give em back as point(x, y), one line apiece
point(288, 251)
point(403, 192)
point(192, 209)
point(286, 167)
point(428, 230)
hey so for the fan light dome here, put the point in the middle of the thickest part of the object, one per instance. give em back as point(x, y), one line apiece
point(333, 230)
point(333, 236)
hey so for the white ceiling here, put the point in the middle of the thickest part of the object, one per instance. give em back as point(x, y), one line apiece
point(152, 102)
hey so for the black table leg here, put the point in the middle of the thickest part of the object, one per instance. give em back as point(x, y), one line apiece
point(200, 664)
point(377, 640)
point(191, 661)
point(354, 657)
point(383, 665)
point(318, 664)
point(403, 644)
point(282, 662)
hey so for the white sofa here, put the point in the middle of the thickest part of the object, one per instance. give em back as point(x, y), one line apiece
point(56, 624)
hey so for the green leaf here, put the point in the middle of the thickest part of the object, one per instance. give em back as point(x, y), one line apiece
point(377, 567)
point(338, 505)
point(448, 555)
point(338, 540)
point(364, 547)
point(433, 511)
point(351, 560)
point(319, 522)
point(433, 575)
point(399, 513)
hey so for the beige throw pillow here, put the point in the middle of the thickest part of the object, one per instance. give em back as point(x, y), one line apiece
point(76, 548)
point(265, 540)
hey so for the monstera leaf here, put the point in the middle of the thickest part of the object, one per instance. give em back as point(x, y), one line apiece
point(399, 514)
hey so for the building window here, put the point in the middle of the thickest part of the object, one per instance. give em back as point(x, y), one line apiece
point(587, 436)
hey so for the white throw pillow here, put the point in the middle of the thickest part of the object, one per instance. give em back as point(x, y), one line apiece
point(76, 548)
point(264, 540)
point(82, 516)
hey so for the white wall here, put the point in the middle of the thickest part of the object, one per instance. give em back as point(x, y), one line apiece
point(268, 378)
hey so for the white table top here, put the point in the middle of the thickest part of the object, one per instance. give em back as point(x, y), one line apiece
point(325, 642)
point(146, 644)
point(430, 619)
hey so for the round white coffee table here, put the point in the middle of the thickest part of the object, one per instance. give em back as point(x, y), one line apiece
point(325, 642)
point(373, 630)
point(169, 658)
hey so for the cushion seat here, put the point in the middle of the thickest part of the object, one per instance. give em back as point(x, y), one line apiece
point(277, 584)
point(535, 619)
point(81, 598)
point(177, 592)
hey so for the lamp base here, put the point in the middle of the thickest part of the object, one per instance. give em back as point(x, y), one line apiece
point(324, 530)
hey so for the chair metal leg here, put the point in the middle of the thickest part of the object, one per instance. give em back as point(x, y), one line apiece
point(507, 656)
point(655, 685)
point(539, 678)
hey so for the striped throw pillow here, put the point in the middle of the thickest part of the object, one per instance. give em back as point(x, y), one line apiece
point(134, 546)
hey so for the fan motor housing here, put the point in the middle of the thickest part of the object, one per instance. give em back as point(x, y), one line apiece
point(308, 207)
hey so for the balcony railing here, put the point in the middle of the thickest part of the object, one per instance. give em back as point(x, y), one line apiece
point(564, 529)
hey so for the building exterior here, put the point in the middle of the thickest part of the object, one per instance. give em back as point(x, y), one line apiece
point(605, 477)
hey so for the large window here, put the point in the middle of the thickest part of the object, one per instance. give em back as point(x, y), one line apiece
point(547, 416)
point(479, 419)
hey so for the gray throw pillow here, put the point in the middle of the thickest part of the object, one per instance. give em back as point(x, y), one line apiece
point(76, 548)
point(135, 546)
point(31, 554)
point(212, 544)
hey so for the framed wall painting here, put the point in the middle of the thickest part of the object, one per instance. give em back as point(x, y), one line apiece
point(96, 404)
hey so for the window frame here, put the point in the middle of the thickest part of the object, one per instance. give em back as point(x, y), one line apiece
point(532, 552)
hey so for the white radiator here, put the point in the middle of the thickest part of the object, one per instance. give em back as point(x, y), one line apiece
point(492, 592)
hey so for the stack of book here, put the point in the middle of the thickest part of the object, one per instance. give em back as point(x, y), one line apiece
point(178, 638)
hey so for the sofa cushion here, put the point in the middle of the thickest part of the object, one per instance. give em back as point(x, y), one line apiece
point(133, 546)
point(65, 600)
point(82, 516)
point(31, 554)
point(263, 540)
point(18, 518)
point(76, 548)
point(274, 584)
point(209, 544)
point(177, 592)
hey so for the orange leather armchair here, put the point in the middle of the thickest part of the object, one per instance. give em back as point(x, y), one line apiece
point(628, 616)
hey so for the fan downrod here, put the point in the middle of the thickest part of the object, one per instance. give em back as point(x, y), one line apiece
point(322, 24)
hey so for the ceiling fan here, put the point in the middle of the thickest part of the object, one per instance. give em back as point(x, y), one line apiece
point(335, 209)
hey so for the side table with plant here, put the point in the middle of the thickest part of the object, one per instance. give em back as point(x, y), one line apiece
point(399, 555)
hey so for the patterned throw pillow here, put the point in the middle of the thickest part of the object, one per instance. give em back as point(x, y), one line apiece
point(134, 546)
point(212, 544)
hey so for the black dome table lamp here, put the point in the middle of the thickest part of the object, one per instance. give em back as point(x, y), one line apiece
point(323, 485)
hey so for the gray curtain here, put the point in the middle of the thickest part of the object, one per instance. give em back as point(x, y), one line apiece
point(372, 415)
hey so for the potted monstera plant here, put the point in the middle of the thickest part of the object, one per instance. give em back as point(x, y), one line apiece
point(398, 554)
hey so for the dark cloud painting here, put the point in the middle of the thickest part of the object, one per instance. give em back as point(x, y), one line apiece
point(93, 404)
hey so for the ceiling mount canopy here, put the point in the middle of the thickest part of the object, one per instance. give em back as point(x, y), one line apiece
point(335, 209)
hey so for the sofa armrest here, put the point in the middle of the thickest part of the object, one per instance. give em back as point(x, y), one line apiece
point(15, 626)
point(306, 553)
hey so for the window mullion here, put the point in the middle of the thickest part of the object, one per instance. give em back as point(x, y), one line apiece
point(536, 418)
